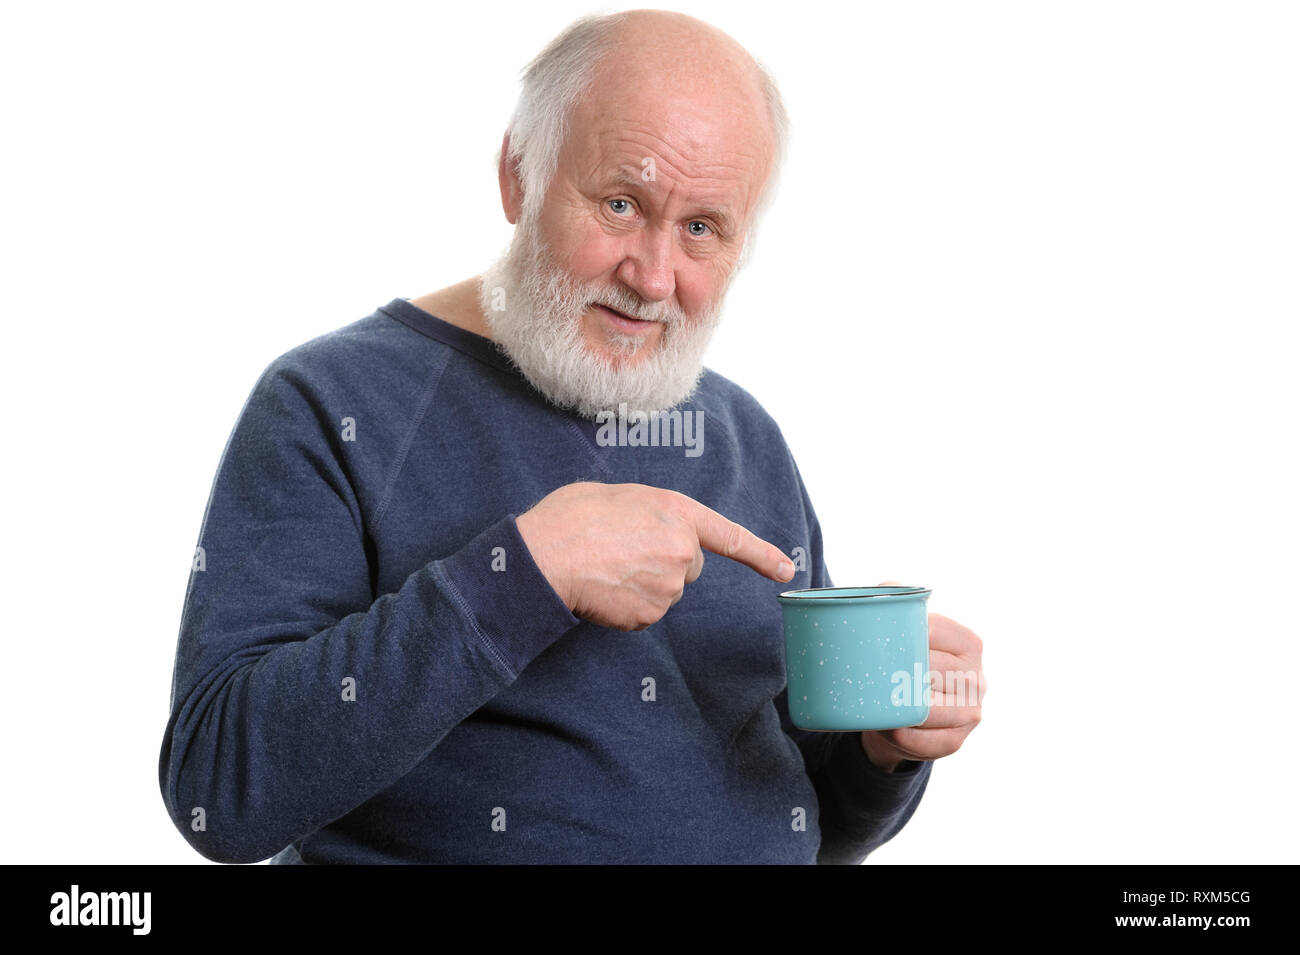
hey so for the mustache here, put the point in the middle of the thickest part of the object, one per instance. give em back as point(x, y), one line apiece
point(621, 300)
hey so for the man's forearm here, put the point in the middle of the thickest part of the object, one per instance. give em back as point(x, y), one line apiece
point(880, 754)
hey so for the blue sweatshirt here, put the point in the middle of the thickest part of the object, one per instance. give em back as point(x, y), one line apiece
point(372, 668)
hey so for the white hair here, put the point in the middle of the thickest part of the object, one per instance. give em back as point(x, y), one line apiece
point(551, 86)
point(535, 310)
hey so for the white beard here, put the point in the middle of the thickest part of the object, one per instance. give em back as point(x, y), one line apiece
point(534, 311)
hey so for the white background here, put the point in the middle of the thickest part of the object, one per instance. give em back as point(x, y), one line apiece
point(1025, 309)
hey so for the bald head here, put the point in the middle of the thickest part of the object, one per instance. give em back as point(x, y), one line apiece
point(634, 169)
point(687, 88)
point(696, 80)
point(658, 53)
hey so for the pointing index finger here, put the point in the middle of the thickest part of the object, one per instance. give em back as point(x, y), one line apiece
point(722, 536)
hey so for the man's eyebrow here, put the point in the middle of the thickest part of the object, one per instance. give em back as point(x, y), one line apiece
point(626, 177)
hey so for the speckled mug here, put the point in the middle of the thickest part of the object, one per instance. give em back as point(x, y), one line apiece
point(857, 658)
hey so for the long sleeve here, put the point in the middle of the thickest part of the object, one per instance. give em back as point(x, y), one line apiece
point(298, 693)
point(861, 806)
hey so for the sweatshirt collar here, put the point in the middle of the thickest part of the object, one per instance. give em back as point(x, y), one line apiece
point(476, 346)
point(472, 344)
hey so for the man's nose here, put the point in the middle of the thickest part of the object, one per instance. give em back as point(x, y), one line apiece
point(647, 266)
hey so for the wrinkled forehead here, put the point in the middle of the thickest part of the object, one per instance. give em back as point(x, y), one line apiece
point(683, 134)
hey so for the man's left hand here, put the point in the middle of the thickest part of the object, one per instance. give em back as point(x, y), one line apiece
point(956, 660)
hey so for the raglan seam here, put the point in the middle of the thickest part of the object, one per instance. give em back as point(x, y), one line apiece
point(390, 488)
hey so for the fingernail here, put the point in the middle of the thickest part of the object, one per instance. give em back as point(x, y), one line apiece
point(785, 569)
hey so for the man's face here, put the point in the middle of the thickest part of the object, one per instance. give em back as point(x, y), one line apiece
point(611, 294)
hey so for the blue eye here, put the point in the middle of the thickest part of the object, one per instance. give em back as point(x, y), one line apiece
point(696, 222)
point(619, 212)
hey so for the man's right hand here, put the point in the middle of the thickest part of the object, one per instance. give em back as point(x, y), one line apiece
point(620, 555)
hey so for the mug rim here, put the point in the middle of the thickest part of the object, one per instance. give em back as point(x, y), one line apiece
point(836, 593)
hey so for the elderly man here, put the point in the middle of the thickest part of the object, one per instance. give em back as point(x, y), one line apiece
point(490, 575)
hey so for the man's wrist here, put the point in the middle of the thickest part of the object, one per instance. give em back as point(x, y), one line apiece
point(543, 557)
point(879, 753)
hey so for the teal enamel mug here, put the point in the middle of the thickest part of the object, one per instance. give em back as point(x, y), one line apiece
point(857, 658)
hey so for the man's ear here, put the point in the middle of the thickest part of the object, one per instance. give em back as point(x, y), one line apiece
point(512, 187)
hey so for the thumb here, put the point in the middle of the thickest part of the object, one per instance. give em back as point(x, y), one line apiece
point(890, 583)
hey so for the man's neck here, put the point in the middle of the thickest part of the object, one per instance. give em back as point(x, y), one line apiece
point(457, 305)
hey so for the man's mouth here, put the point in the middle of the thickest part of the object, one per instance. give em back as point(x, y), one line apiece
point(622, 320)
